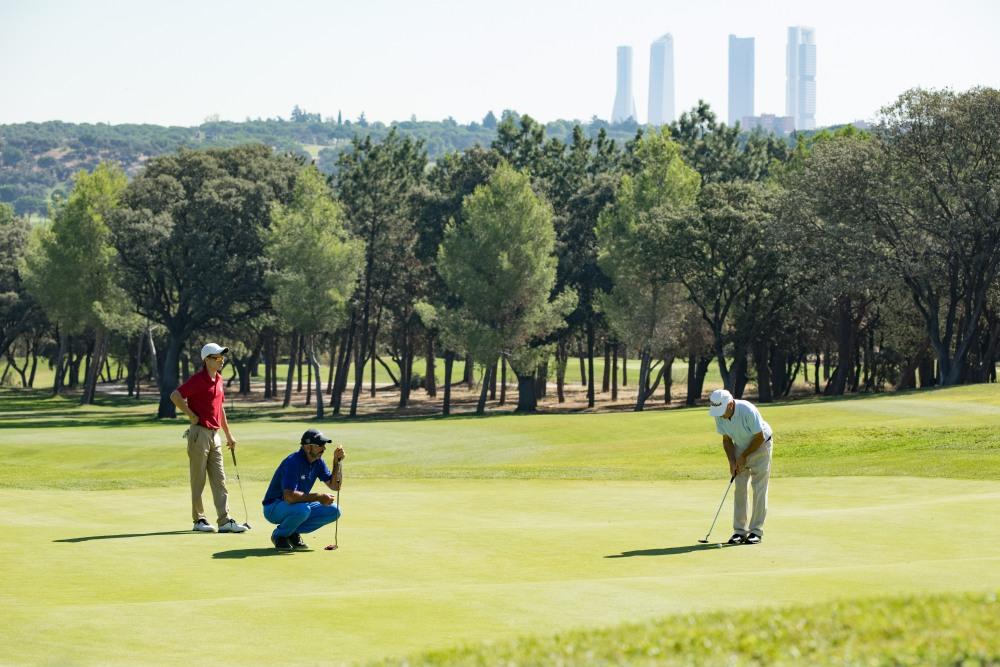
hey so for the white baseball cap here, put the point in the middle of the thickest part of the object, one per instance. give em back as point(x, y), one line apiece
point(213, 348)
point(718, 402)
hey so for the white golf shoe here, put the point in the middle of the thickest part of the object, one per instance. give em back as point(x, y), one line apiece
point(203, 526)
point(232, 527)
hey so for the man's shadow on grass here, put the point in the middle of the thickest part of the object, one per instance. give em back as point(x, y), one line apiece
point(251, 553)
point(121, 536)
point(671, 551)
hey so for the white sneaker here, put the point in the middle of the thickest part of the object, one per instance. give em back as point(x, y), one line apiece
point(203, 526)
point(232, 527)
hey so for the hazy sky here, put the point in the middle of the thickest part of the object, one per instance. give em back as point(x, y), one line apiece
point(178, 61)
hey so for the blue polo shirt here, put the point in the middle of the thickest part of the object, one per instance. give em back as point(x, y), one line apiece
point(295, 473)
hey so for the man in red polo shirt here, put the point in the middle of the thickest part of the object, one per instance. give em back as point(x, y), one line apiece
point(200, 398)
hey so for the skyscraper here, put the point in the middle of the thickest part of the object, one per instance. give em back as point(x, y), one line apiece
point(661, 81)
point(741, 82)
point(624, 100)
point(800, 73)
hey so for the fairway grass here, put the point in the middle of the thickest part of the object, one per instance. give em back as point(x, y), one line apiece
point(432, 564)
point(504, 529)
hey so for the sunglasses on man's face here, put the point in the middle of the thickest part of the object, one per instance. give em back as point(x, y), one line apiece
point(217, 357)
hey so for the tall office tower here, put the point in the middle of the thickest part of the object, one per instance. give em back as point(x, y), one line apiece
point(800, 73)
point(624, 100)
point(741, 69)
point(661, 81)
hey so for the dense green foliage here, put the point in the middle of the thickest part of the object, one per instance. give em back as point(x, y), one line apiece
point(689, 243)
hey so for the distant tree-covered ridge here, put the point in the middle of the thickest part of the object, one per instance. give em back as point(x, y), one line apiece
point(37, 160)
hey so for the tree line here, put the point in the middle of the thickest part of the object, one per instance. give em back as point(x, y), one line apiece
point(871, 257)
point(38, 160)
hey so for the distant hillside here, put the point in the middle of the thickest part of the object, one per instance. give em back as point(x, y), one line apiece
point(37, 160)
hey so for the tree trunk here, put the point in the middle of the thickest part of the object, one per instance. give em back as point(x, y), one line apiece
point(293, 355)
point(668, 379)
point(60, 361)
point(371, 384)
point(489, 370)
point(590, 364)
point(405, 370)
point(696, 377)
point(583, 367)
point(526, 400)
point(101, 336)
point(503, 379)
point(34, 363)
point(343, 366)
point(614, 372)
point(74, 369)
point(845, 349)
point(267, 368)
point(645, 389)
point(316, 374)
point(449, 361)
point(542, 380)
point(493, 380)
point(300, 353)
point(606, 380)
point(333, 363)
point(168, 378)
point(469, 367)
point(430, 372)
point(780, 382)
point(763, 365)
point(307, 352)
point(738, 373)
point(624, 355)
point(561, 359)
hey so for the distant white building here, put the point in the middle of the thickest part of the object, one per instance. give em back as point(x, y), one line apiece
point(800, 77)
point(624, 99)
point(741, 77)
point(779, 125)
point(661, 81)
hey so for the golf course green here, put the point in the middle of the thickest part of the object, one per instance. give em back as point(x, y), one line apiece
point(506, 530)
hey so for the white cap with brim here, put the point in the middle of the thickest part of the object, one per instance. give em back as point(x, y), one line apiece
point(718, 402)
point(213, 348)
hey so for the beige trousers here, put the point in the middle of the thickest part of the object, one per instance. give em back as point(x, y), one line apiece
point(205, 457)
point(757, 473)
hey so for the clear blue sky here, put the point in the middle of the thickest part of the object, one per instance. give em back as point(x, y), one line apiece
point(179, 61)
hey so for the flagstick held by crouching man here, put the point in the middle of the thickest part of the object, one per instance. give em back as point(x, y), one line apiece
point(289, 501)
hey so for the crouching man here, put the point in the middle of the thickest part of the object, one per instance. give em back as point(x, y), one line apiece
point(289, 501)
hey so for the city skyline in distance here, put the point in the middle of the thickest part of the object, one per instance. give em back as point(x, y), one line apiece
point(150, 62)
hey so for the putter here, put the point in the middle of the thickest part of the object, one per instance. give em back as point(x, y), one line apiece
point(705, 541)
point(336, 524)
point(245, 513)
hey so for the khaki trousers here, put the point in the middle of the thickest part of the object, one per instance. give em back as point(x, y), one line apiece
point(757, 473)
point(205, 457)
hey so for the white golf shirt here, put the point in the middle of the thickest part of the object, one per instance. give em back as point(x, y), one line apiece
point(745, 423)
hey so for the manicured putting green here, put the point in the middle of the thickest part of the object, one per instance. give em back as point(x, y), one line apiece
point(113, 577)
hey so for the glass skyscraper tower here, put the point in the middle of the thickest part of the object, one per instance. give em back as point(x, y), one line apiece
point(661, 81)
point(741, 78)
point(800, 73)
point(624, 99)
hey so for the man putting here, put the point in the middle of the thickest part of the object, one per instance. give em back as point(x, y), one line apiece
point(289, 502)
point(747, 439)
point(201, 398)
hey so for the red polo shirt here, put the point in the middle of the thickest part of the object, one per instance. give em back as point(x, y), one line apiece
point(204, 396)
